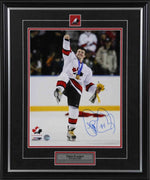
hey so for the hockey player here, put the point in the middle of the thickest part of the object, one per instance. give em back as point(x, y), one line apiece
point(74, 76)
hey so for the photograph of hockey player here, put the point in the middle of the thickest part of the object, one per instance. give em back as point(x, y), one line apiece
point(74, 76)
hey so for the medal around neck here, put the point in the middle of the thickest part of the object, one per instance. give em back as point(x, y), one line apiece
point(80, 66)
point(77, 76)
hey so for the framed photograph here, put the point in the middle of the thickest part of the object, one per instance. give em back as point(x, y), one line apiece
point(74, 90)
point(96, 120)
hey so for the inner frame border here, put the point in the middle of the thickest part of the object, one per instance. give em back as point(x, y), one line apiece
point(121, 59)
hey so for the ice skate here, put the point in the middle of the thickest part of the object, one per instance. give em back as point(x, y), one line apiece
point(70, 134)
point(58, 94)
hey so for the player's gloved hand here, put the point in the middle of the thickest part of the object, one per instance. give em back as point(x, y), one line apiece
point(93, 98)
point(100, 87)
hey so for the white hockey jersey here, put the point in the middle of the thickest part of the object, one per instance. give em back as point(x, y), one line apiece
point(88, 41)
point(70, 70)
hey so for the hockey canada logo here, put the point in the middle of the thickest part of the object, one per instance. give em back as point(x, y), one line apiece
point(36, 130)
point(74, 20)
point(36, 134)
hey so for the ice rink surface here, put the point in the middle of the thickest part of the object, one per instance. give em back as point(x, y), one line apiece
point(91, 131)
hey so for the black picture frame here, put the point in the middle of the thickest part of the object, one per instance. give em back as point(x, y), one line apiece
point(131, 161)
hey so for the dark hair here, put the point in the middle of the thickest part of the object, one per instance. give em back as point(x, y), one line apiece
point(82, 49)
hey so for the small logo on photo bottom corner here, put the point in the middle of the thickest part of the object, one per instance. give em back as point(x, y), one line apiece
point(75, 20)
point(36, 130)
point(36, 136)
point(46, 137)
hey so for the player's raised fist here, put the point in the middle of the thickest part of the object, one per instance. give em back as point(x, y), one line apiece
point(66, 36)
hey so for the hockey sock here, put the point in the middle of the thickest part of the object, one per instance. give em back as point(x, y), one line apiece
point(73, 116)
point(72, 123)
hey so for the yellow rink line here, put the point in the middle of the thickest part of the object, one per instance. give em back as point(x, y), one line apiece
point(81, 108)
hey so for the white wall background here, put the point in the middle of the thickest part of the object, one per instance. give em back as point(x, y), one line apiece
point(42, 91)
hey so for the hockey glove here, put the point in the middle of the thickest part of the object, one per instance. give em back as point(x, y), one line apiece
point(100, 87)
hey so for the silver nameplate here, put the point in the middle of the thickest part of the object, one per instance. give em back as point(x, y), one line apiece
point(75, 158)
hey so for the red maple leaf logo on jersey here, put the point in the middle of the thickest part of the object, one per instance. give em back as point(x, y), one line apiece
point(74, 69)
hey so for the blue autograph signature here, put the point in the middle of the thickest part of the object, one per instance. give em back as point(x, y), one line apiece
point(99, 125)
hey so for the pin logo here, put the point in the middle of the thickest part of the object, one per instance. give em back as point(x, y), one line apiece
point(74, 20)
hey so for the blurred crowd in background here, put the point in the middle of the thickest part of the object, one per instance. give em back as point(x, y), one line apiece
point(102, 51)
